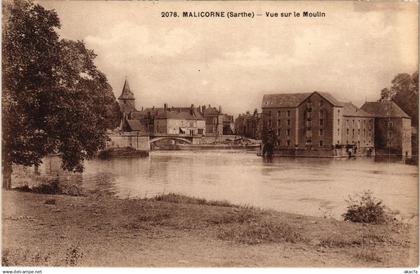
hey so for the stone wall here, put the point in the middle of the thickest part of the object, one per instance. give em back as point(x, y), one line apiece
point(129, 140)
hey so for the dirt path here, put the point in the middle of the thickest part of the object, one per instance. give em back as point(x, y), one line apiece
point(103, 231)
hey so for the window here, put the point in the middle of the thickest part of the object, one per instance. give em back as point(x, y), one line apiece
point(288, 143)
point(338, 121)
point(288, 113)
point(390, 124)
point(269, 113)
point(278, 131)
point(338, 131)
point(200, 131)
point(279, 113)
point(353, 132)
point(321, 143)
point(321, 122)
point(278, 123)
point(288, 122)
point(321, 103)
point(321, 132)
point(288, 132)
point(348, 131)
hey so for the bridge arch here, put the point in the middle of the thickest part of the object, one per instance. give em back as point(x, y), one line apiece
point(151, 141)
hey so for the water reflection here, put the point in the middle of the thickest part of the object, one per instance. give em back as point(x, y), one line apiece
point(308, 186)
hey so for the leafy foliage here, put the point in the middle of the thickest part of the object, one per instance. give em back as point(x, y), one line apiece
point(365, 208)
point(405, 92)
point(54, 100)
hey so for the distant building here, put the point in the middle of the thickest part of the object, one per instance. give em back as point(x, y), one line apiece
point(126, 99)
point(180, 121)
point(228, 124)
point(392, 128)
point(316, 124)
point(249, 125)
point(357, 128)
point(130, 125)
point(214, 120)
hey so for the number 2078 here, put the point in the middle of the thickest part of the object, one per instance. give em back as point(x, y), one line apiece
point(168, 14)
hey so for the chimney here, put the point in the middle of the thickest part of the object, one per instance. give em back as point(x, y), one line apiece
point(141, 108)
point(153, 107)
point(203, 108)
point(220, 109)
point(165, 107)
point(192, 109)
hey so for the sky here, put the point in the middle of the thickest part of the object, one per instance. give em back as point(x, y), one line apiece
point(353, 52)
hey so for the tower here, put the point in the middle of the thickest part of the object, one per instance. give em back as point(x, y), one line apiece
point(126, 99)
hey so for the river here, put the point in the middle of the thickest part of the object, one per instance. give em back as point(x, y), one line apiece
point(309, 186)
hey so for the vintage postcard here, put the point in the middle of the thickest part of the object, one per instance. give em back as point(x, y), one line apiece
point(209, 134)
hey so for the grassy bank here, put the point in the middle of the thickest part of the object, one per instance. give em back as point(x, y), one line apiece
point(174, 230)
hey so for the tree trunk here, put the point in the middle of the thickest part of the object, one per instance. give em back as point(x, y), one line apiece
point(7, 175)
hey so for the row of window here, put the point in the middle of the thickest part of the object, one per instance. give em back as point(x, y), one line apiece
point(358, 132)
point(359, 123)
point(279, 113)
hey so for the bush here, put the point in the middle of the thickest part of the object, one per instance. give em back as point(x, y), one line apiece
point(53, 187)
point(365, 208)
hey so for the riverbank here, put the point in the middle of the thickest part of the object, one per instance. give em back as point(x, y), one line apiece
point(60, 230)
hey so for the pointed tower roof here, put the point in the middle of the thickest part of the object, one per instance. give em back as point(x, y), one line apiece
point(126, 93)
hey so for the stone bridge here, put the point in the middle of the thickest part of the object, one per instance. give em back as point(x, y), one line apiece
point(185, 139)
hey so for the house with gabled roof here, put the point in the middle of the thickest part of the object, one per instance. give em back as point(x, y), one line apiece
point(392, 128)
point(179, 121)
point(357, 128)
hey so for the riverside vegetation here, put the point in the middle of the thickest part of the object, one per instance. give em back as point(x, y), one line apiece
point(50, 229)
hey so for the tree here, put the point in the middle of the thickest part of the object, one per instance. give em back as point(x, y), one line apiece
point(54, 98)
point(404, 91)
point(406, 94)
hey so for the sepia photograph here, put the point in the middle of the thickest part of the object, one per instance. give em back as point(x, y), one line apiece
point(216, 134)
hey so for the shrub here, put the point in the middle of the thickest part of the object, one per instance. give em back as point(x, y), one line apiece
point(53, 187)
point(365, 208)
point(73, 255)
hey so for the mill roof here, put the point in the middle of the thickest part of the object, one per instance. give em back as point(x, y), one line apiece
point(351, 110)
point(384, 109)
point(294, 99)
